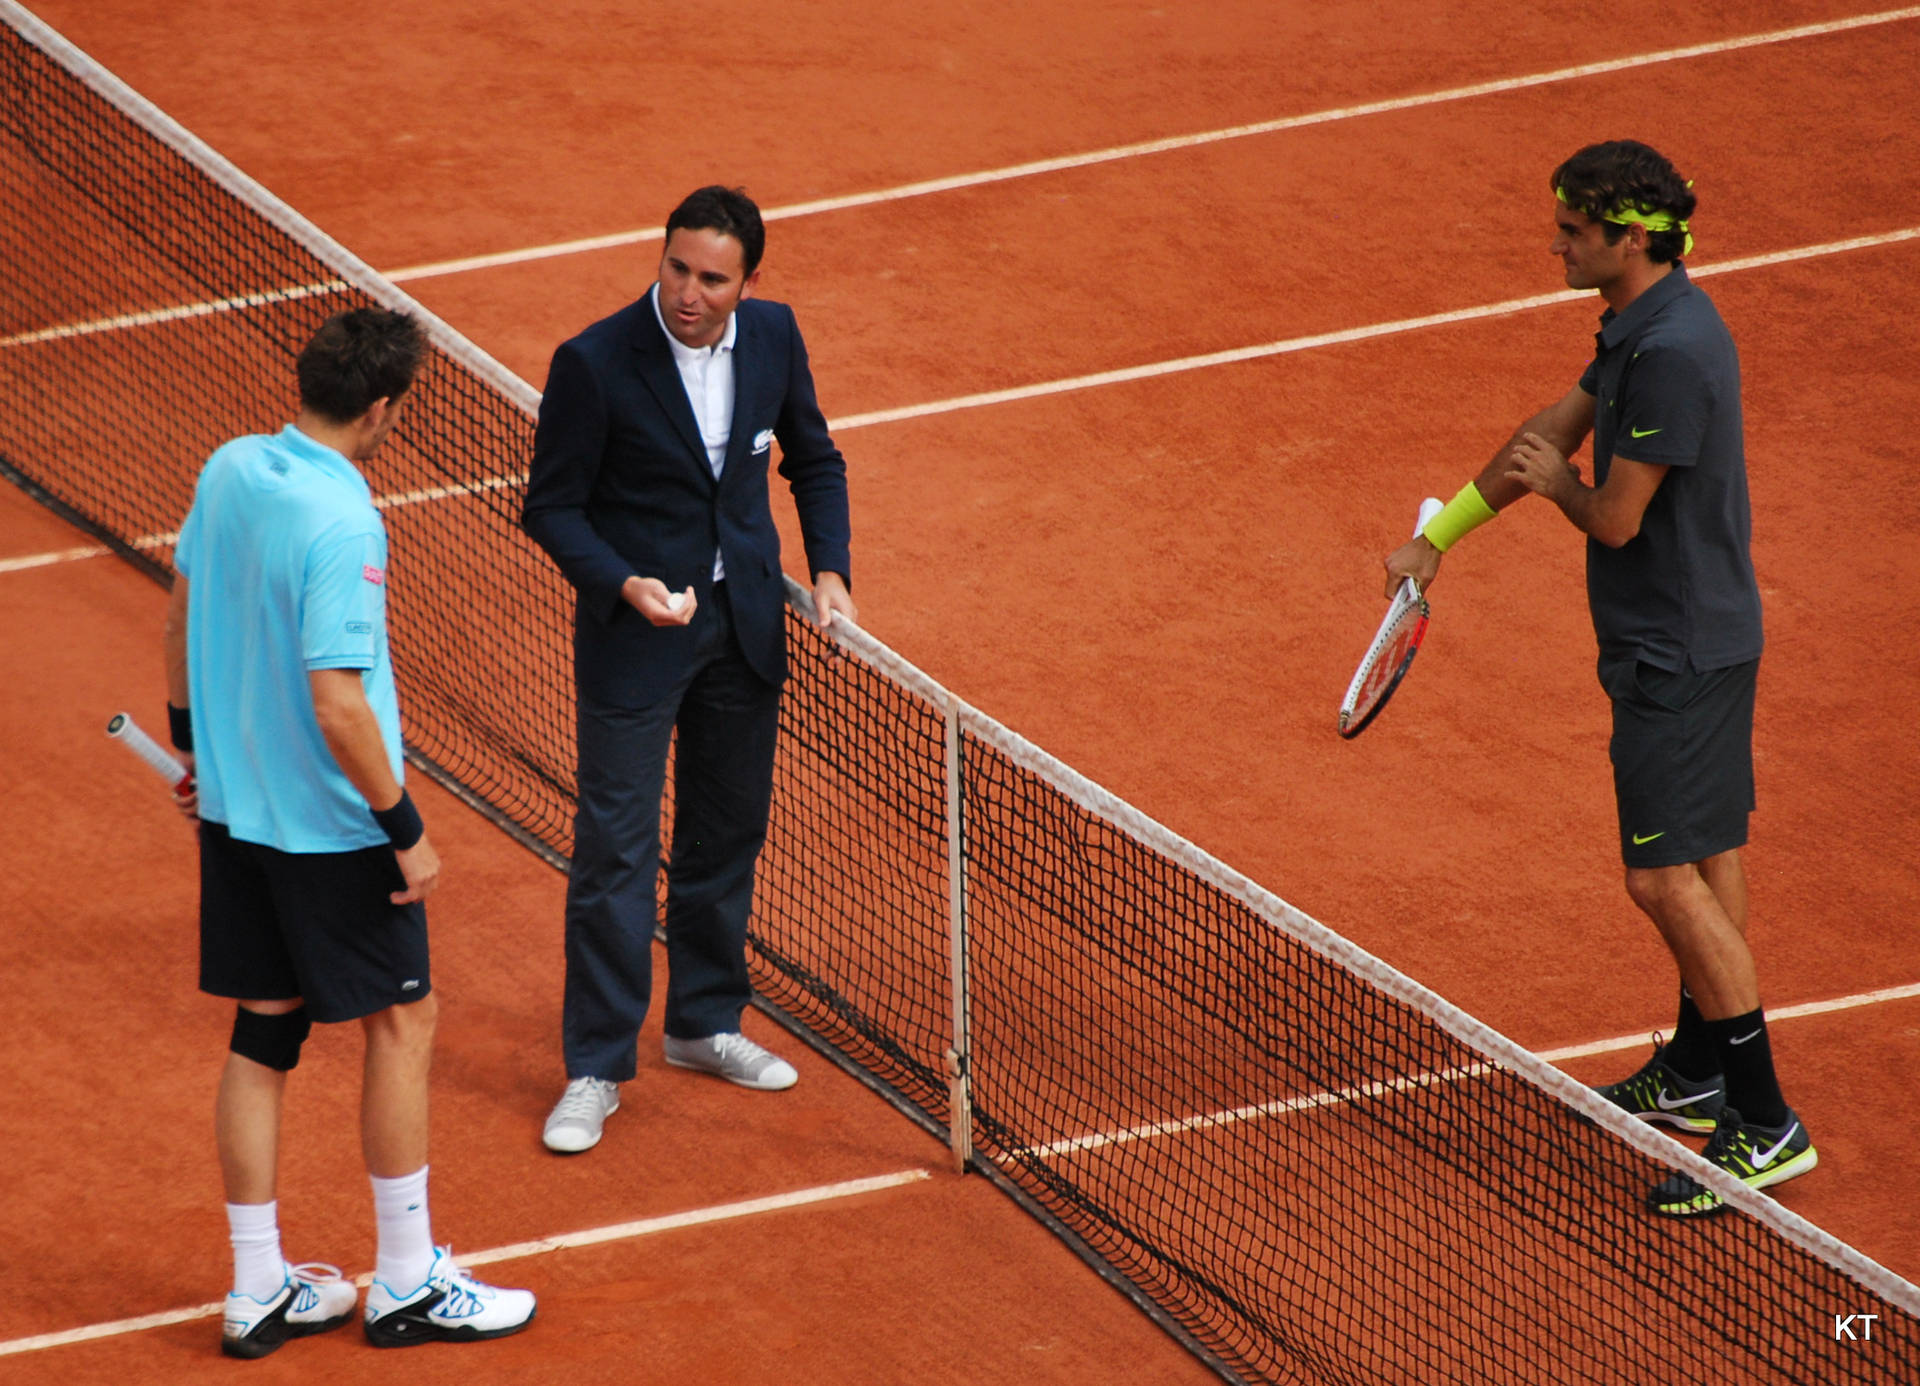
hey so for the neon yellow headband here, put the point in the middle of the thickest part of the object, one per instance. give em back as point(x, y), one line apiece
point(1625, 214)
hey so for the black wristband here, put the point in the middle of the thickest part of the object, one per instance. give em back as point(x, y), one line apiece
point(180, 727)
point(401, 823)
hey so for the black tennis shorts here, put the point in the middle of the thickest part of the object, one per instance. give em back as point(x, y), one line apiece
point(275, 925)
point(1682, 754)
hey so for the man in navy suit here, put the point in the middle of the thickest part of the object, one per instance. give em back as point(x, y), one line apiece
point(649, 490)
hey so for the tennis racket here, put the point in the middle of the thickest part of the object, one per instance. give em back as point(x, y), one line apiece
point(1391, 654)
point(122, 728)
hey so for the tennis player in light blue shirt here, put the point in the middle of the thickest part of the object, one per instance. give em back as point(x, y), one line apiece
point(288, 558)
point(314, 864)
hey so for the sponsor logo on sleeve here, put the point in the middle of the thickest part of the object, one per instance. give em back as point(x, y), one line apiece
point(376, 576)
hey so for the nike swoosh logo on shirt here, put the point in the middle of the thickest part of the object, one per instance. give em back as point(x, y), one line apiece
point(1763, 1158)
point(1643, 432)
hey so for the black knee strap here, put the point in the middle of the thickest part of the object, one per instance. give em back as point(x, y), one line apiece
point(272, 1040)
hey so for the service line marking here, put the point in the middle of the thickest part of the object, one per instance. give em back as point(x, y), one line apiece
point(645, 1227)
point(1121, 376)
point(1287, 1106)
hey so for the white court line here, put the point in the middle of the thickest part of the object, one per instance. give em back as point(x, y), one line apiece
point(174, 314)
point(158, 541)
point(619, 1232)
point(1162, 146)
point(1116, 377)
point(1001, 175)
point(1840, 1003)
point(1351, 334)
point(1233, 1116)
point(43, 560)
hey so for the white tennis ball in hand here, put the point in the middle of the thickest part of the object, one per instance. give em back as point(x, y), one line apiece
point(676, 600)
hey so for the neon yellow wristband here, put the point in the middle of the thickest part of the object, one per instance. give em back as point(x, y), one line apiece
point(1465, 513)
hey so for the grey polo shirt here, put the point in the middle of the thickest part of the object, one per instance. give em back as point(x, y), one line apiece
point(1666, 385)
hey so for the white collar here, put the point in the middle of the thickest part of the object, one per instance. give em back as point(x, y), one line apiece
point(683, 353)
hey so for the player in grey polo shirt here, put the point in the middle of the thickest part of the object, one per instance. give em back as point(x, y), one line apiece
point(1676, 612)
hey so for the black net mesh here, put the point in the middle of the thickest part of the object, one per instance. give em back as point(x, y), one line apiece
point(1308, 1178)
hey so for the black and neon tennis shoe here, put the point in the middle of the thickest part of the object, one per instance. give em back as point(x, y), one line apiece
point(1755, 1155)
point(1657, 1093)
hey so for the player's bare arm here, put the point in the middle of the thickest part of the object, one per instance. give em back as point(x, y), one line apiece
point(1610, 512)
point(175, 645)
point(1565, 424)
point(353, 735)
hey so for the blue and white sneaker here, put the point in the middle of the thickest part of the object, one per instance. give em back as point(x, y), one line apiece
point(312, 1299)
point(450, 1307)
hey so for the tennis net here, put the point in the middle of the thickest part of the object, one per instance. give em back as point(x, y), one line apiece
point(1303, 1164)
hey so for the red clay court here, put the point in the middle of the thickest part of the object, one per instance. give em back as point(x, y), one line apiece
point(1144, 330)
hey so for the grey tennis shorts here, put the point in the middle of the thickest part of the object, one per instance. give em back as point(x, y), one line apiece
point(1682, 754)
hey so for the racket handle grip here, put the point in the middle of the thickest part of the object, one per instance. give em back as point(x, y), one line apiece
point(126, 731)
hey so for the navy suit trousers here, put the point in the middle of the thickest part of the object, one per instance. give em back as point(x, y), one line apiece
point(726, 717)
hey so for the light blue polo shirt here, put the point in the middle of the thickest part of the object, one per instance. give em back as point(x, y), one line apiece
point(287, 559)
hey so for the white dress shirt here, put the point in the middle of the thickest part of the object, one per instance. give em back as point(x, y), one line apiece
point(707, 375)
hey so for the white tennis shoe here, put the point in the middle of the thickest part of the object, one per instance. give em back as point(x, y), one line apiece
point(312, 1299)
point(449, 1307)
point(735, 1058)
point(576, 1120)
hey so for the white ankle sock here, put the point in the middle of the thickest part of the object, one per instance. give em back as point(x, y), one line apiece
point(259, 1269)
point(406, 1231)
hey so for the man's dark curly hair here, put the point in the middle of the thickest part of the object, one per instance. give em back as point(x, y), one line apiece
point(730, 212)
point(357, 357)
point(1604, 178)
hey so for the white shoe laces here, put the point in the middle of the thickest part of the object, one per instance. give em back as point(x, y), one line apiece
point(584, 1100)
point(465, 1296)
point(737, 1048)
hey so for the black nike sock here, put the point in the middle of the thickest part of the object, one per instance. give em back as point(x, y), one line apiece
point(1746, 1058)
point(1691, 1053)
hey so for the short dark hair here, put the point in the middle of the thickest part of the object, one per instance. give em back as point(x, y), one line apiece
point(357, 357)
point(1604, 178)
point(730, 212)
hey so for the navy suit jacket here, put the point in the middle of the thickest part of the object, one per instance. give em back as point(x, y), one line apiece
point(620, 486)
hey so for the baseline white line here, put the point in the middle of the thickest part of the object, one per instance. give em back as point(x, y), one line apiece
point(645, 1227)
point(955, 182)
point(1233, 1116)
point(1117, 377)
point(1175, 142)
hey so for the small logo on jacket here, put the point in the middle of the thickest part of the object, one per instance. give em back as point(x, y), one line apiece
point(763, 440)
point(376, 576)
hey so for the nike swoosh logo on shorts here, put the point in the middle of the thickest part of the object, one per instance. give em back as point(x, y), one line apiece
point(1674, 1104)
point(1640, 841)
point(1763, 1158)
